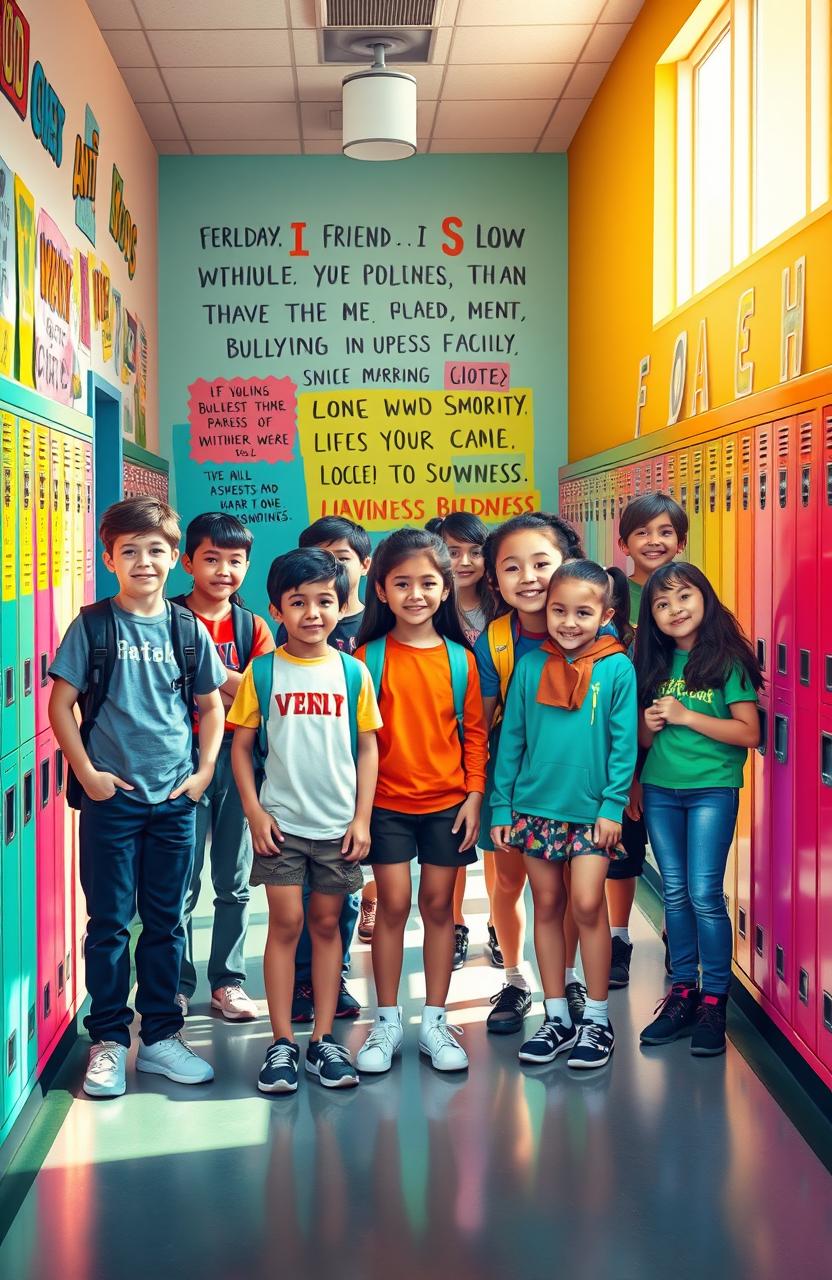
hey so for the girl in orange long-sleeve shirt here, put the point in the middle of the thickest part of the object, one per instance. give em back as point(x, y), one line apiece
point(430, 782)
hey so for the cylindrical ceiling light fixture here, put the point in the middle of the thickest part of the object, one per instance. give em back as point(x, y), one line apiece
point(379, 112)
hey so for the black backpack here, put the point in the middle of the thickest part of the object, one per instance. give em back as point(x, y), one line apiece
point(242, 623)
point(100, 625)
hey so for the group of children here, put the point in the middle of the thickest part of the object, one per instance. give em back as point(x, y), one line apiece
point(489, 692)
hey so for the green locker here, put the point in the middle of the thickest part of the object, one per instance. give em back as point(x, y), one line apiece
point(12, 1059)
point(26, 580)
point(28, 913)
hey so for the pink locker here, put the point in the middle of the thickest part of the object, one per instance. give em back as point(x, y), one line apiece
point(64, 888)
point(744, 502)
point(805, 869)
point(761, 961)
point(825, 594)
point(783, 578)
point(89, 526)
point(824, 1002)
point(44, 646)
point(45, 873)
point(671, 476)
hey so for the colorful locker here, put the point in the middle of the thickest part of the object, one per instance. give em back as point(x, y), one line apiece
point(696, 512)
point(824, 1003)
point(761, 960)
point(64, 889)
point(44, 645)
point(825, 593)
point(659, 470)
point(684, 498)
point(26, 580)
point(745, 613)
point(70, 602)
point(47, 929)
point(712, 502)
point(13, 1054)
point(78, 501)
point(619, 557)
point(727, 498)
point(671, 470)
point(9, 727)
point(28, 916)
point(805, 872)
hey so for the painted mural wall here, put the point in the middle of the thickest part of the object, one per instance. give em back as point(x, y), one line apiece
point(765, 322)
point(78, 216)
point(385, 342)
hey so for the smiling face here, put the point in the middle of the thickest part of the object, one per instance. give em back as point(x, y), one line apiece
point(575, 612)
point(141, 562)
point(524, 566)
point(217, 571)
point(310, 614)
point(414, 590)
point(344, 554)
point(678, 610)
point(466, 561)
point(651, 545)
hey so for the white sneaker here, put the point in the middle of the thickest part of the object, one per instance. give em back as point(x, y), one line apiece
point(382, 1044)
point(106, 1070)
point(445, 1053)
point(173, 1058)
point(234, 1004)
point(184, 1004)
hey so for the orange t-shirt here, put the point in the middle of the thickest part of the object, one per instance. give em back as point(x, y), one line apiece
point(423, 767)
point(222, 634)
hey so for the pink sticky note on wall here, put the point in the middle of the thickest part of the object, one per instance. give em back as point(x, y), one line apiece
point(233, 419)
point(467, 375)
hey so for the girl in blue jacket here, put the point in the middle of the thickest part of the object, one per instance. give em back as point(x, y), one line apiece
point(562, 779)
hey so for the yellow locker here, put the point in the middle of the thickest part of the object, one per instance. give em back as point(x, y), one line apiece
point(696, 512)
point(712, 520)
point(77, 500)
point(728, 524)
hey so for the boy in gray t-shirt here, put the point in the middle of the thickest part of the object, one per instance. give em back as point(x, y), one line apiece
point(140, 796)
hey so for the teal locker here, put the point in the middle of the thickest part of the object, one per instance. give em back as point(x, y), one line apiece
point(28, 914)
point(12, 1063)
point(26, 579)
point(9, 728)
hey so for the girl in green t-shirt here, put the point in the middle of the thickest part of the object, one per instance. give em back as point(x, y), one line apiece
point(697, 683)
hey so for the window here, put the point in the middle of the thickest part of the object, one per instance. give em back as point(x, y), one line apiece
point(742, 137)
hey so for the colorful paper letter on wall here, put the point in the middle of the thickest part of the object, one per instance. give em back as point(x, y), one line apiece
point(24, 204)
point(85, 175)
point(8, 289)
point(54, 352)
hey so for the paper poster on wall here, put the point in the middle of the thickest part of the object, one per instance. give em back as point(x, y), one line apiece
point(131, 335)
point(118, 315)
point(24, 205)
point(141, 388)
point(84, 281)
point(8, 288)
point(85, 175)
point(54, 352)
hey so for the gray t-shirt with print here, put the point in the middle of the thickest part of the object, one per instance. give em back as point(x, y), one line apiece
point(143, 731)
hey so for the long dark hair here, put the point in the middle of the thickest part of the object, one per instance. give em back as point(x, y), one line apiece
point(378, 617)
point(719, 646)
point(566, 539)
point(464, 526)
point(620, 601)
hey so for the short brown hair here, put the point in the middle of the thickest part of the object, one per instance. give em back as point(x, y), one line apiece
point(138, 516)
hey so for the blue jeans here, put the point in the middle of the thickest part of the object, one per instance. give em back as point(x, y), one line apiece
point(691, 832)
point(135, 855)
point(346, 924)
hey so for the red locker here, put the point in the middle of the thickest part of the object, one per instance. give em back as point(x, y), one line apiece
point(761, 961)
point(825, 593)
point(671, 469)
point(744, 503)
point(824, 1002)
point(46, 916)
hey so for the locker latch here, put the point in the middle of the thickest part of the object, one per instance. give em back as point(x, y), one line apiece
point(761, 653)
point(805, 666)
point(696, 497)
point(28, 796)
point(9, 683)
point(759, 939)
point(712, 496)
point(763, 743)
point(805, 485)
point(741, 922)
point(746, 492)
point(11, 1053)
point(27, 677)
point(763, 489)
point(44, 670)
point(803, 987)
point(783, 487)
point(781, 738)
point(826, 759)
point(829, 484)
point(782, 659)
point(729, 493)
point(780, 962)
point(9, 806)
point(827, 1011)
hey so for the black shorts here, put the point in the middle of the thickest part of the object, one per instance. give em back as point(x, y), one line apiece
point(400, 837)
point(634, 840)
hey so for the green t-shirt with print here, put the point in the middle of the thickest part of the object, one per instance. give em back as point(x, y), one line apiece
point(682, 758)
point(636, 589)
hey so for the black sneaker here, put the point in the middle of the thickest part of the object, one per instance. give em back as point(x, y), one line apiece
point(330, 1062)
point(510, 1008)
point(620, 962)
point(550, 1040)
point(676, 1015)
point(708, 1039)
point(303, 1003)
point(347, 1006)
point(576, 999)
point(594, 1046)
point(668, 964)
point(492, 946)
point(279, 1073)
point(460, 945)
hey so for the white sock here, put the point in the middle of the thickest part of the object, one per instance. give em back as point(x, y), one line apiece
point(596, 1011)
point(556, 1007)
point(572, 975)
point(515, 978)
point(618, 932)
point(390, 1013)
point(432, 1013)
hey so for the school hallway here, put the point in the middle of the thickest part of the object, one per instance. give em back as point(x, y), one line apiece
point(659, 1164)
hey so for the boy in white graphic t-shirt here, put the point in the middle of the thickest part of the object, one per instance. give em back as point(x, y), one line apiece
point(312, 816)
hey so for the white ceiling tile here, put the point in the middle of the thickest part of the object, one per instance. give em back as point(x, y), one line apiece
point(621, 10)
point(555, 144)
point(543, 80)
point(493, 145)
point(246, 147)
point(323, 147)
point(169, 147)
point(252, 120)
point(221, 48)
point(519, 44)
point(185, 15)
point(441, 45)
point(145, 84)
point(230, 84)
point(320, 120)
point(448, 12)
point(303, 13)
point(586, 79)
point(160, 120)
point(425, 113)
point(114, 13)
point(307, 52)
point(605, 42)
point(482, 13)
point(129, 48)
point(428, 77)
point(568, 115)
point(320, 84)
point(494, 120)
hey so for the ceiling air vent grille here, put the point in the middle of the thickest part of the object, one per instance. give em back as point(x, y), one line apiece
point(379, 13)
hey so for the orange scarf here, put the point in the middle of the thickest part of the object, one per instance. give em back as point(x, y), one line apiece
point(565, 684)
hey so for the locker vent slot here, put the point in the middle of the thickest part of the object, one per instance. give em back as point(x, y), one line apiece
point(805, 439)
point(746, 450)
point(803, 987)
point(805, 666)
point(44, 670)
point(741, 922)
point(31, 1022)
point(28, 796)
point(47, 999)
point(11, 1053)
point(826, 759)
point(759, 939)
point(827, 1011)
point(761, 654)
point(783, 442)
point(782, 660)
point(763, 747)
point(9, 683)
point(9, 806)
point(44, 783)
point(783, 487)
point(781, 738)
point(780, 963)
point(805, 486)
point(60, 977)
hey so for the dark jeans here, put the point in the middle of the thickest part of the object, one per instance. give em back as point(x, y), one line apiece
point(346, 924)
point(691, 832)
point(135, 855)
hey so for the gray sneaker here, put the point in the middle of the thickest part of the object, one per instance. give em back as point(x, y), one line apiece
point(173, 1058)
point(106, 1070)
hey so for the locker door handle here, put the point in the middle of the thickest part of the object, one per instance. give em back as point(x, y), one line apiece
point(803, 987)
point(805, 667)
point(827, 1011)
point(44, 783)
point(9, 816)
point(781, 738)
point(759, 940)
point(44, 670)
point(827, 672)
point(761, 654)
point(11, 1053)
point(826, 759)
point(783, 487)
point(780, 962)
point(782, 659)
point(47, 999)
point(763, 490)
point(763, 744)
point(27, 677)
point(741, 922)
point(729, 494)
point(829, 484)
point(28, 796)
point(746, 492)
point(9, 683)
point(805, 486)
point(59, 772)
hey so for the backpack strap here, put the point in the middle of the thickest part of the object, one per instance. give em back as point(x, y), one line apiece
point(501, 647)
point(242, 623)
point(374, 652)
point(100, 628)
point(183, 626)
point(458, 662)
point(354, 680)
point(262, 673)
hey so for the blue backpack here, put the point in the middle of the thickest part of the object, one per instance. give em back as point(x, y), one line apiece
point(262, 673)
point(375, 650)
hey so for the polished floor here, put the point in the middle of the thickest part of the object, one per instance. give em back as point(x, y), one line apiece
point(658, 1166)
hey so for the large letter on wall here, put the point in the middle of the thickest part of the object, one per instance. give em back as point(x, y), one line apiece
point(791, 327)
point(744, 369)
point(641, 398)
point(701, 399)
point(677, 377)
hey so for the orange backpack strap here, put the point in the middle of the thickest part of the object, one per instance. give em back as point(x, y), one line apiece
point(501, 648)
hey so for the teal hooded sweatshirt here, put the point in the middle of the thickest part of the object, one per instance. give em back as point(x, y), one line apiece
point(572, 766)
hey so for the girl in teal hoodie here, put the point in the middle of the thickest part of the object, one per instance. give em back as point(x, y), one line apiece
point(562, 779)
